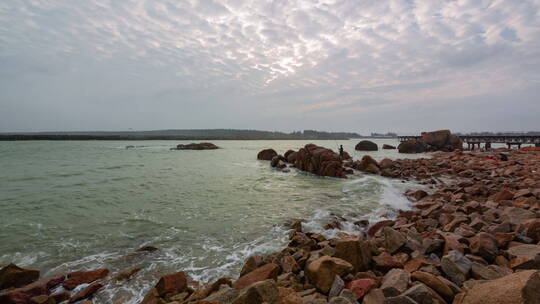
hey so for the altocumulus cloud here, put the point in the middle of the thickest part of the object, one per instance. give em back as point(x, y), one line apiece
point(356, 65)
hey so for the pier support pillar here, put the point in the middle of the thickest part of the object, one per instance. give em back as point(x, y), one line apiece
point(509, 146)
point(488, 145)
point(519, 146)
point(537, 145)
point(468, 146)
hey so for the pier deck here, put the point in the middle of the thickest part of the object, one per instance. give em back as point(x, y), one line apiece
point(473, 140)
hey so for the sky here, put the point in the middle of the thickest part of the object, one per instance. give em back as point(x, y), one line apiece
point(336, 65)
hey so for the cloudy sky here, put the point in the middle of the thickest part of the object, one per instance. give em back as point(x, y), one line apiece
point(351, 65)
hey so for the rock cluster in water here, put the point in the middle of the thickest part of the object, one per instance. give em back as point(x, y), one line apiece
point(366, 145)
point(473, 237)
point(196, 146)
point(311, 158)
point(442, 140)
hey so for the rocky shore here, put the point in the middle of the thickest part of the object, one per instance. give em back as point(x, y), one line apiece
point(472, 236)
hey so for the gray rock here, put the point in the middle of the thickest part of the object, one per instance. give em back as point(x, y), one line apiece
point(456, 266)
point(393, 240)
point(336, 288)
point(340, 300)
point(395, 282)
point(224, 295)
point(420, 293)
point(349, 295)
point(374, 296)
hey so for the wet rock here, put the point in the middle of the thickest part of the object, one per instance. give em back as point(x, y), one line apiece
point(260, 292)
point(197, 146)
point(266, 272)
point(366, 145)
point(171, 284)
point(42, 299)
point(521, 287)
point(395, 282)
point(266, 154)
point(14, 276)
point(356, 252)
point(323, 270)
point(86, 292)
point(386, 163)
point(147, 249)
point(388, 147)
point(456, 266)
point(372, 231)
point(252, 263)
point(77, 278)
point(126, 274)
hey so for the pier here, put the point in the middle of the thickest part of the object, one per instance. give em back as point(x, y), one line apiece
point(473, 141)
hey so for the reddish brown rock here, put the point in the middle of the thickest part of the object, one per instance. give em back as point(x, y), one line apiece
point(320, 161)
point(361, 287)
point(268, 271)
point(378, 226)
point(366, 145)
point(171, 284)
point(252, 263)
point(77, 278)
point(322, 271)
point(518, 288)
point(356, 252)
point(266, 154)
point(14, 276)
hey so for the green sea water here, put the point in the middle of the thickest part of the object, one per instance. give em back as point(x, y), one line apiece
point(72, 205)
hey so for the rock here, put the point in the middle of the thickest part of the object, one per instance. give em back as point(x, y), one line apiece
point(14, 276)
point(374, 296)
point(337, 287)
point(366, 145)
point(456, 266)
point(532, 229)
point(147, 249)
point(171, 284)
point(372, 231)
point(42, 299)
point(388, 147)
point(259, 292)
point(525, 257)
point(361, 287)
point(393, 240)
point(419, 293)
point(368, 164)
point(413, 146)
point(436, 138)
point(320, 161)
point(517, 216)
point(60, 297)
point(289, 296)
point(291, 158)
point(25, 293)
point(521, 287)
point(322, 271)
point(126, 274)
point(197, 146)
point(86, 292)
point(485, 245)
point(289, 264)
point(267, 154)
point(356, 252)
point(289, 152)
point(266, 272)
point(225, 294)
point(481, 272)
point(434, 283)
point(253, 262)
point(77, 278)
point(399, 300)
point(395, 282)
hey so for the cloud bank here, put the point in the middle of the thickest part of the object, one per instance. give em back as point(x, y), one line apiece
point(354, 65)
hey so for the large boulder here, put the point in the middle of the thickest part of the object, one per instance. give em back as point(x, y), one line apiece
point(320, 161)
point(388, 147)
point(356, 252)
point(517, 288)
point(413, 146)
point(322, 271)
point(442, 140)
point(197, 146)
point(266, 154)
point(171, 284)
point(14, 276)
point(366, 145)
point(261, 292)
point(25, 293)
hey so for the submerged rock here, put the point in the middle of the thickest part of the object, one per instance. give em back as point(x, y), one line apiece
point(14, 276)
point(197, 146)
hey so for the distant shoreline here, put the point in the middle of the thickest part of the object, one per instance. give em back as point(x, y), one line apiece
point(66, 137)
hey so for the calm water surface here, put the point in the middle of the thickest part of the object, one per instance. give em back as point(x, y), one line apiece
point(71, 205)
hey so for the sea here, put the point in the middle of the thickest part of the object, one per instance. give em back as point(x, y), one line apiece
point(81, 205)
